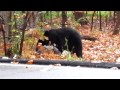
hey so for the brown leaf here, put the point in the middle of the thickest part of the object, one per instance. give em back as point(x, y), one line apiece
point(30, 62)
point(15, 62)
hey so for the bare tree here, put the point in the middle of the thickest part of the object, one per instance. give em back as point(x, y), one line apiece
point(100, 20)
point(26, 20)
point(92, 20)
point(117, 26)
point(64, 18)
point(6, 16)
point(32, 20)
point(106, 20)
point(78, 14)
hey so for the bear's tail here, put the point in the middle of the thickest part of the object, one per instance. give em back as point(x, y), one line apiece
point(88, 38)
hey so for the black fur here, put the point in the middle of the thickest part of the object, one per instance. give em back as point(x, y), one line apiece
point(62, 35)
point(45, 42)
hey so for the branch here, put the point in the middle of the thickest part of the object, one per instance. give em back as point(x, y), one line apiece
point(88, 38)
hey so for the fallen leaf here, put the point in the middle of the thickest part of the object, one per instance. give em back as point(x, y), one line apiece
point(30, 62)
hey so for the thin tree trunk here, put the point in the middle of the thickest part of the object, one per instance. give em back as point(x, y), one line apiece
point(117, 26)
point(64, 18)
point(7, 17)
point(27, 17)
point(100, 21)
point(51, 17)
point(86, 13)
point(3, 32)
point(106, 20)
point(92, 20)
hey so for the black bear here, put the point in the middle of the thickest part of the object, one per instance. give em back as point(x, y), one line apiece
point(45, 42)
point(65, 39)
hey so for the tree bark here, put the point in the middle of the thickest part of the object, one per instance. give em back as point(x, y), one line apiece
point(6, 16)
point(116, 29)
point(64, 18)
point(100, 21)
point(92, 20)
point(26, 19)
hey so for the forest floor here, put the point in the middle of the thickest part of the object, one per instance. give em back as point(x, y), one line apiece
point(105, 49)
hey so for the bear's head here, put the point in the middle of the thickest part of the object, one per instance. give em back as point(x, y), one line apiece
point(46, 33)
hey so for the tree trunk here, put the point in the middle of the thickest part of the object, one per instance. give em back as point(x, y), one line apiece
point(26, 19)
point(100, 21)
point(32, 20)
point(51, 17)
point(116, 29)
point(106, 20)
point(92, 20)
point(6, 16)
point(78, 14)
point(64, 18)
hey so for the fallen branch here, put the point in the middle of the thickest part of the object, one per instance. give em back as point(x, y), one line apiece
point(88, 38)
